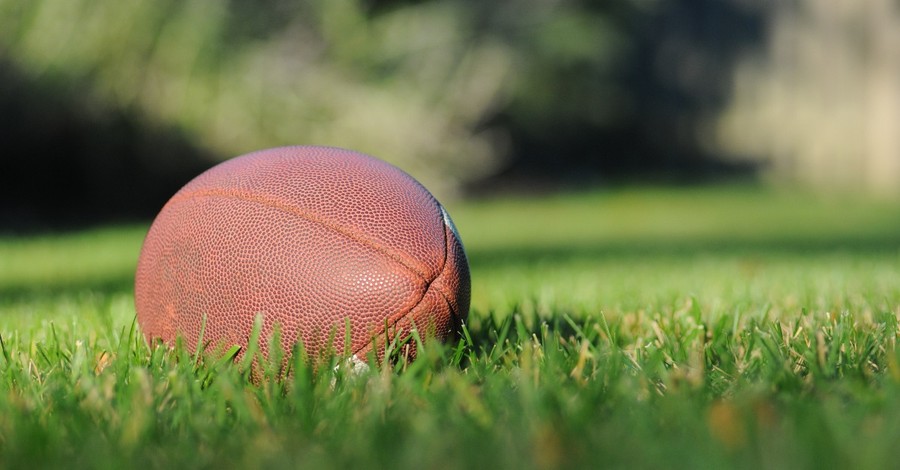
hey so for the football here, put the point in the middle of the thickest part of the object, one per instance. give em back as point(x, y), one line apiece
point(329, 247)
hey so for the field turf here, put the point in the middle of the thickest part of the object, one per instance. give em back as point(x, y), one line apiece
point(639, 328)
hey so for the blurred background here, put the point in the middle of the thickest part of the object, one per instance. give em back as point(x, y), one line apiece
point(108, 107)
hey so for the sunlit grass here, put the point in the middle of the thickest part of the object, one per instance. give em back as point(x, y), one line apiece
point(634, 328)
point(691, 215)
point(86, 258)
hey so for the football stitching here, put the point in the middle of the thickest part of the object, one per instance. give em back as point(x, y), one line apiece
point(397, 318)
point(401, 258)
point(440, 288)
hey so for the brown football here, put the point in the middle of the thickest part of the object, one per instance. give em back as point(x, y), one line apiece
point(311, 239)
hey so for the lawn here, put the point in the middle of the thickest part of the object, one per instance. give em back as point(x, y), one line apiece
point(631, 328)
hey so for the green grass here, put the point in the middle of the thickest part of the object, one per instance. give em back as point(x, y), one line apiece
point(732, 328)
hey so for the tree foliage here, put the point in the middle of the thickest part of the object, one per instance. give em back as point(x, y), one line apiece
point(453, 91)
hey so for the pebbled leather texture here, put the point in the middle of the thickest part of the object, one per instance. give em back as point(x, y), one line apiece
point(311, 239)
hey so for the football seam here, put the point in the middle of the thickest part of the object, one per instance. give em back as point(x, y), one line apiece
point(430, 284)
point(400, 257)
point(440, 288)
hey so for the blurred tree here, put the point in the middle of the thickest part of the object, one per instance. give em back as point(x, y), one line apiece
point(620, 88)
point(69, 162)
point(404, 85)
point(453, 91)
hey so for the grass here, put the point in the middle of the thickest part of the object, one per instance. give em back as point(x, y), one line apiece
point(715, 328)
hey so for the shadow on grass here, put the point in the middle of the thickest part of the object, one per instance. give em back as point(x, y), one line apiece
point(33, 292)
point(625, 251)
point(606, 251)
point(489, 331)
